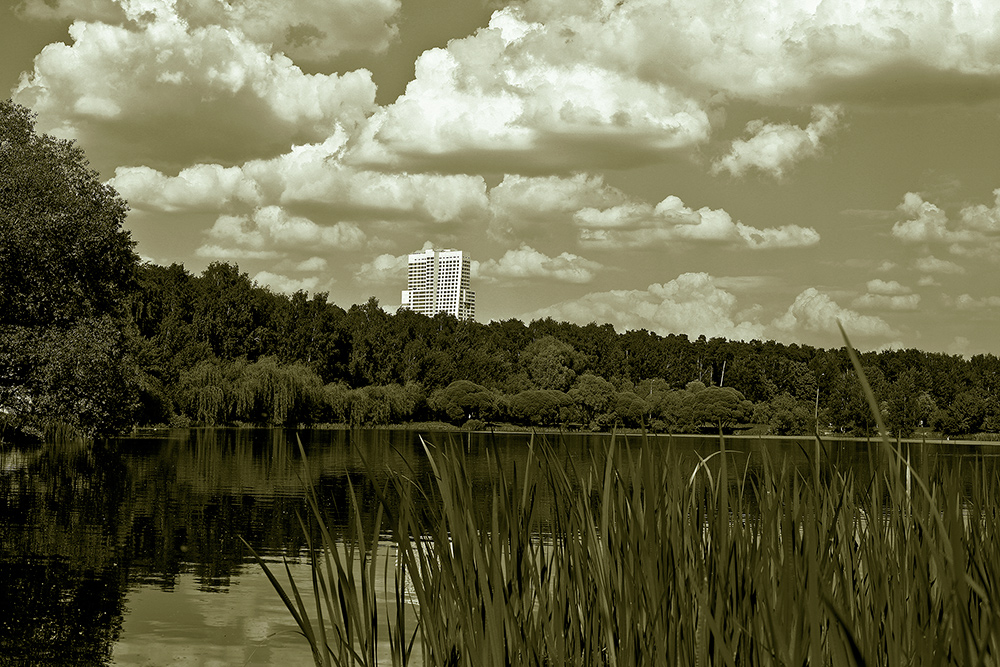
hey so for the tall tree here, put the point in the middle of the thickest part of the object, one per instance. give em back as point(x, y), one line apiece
point(63, 252)
point(66, 271)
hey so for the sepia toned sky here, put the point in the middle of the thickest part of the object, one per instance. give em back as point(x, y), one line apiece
point(757, 169)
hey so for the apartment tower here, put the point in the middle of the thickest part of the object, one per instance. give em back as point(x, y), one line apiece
point(438, 281)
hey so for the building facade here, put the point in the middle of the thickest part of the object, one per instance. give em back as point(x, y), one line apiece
point(438, 281)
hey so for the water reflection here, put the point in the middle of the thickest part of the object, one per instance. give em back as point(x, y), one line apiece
point(129, 552)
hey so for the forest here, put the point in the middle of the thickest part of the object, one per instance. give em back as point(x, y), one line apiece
point(93, 342)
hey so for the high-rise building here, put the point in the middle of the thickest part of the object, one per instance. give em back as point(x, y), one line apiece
point(438, 281)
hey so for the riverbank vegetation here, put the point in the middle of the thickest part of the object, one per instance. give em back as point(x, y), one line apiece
point(93, 341)
point(649, 556)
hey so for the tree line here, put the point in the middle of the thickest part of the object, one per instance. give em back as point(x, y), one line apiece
point(94, 341)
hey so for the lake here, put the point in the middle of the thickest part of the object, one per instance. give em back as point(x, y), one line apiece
point(129, 552)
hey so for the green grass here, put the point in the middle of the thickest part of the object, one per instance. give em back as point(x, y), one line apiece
point(642, 559)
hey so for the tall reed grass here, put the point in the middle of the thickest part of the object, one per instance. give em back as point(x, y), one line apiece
point(643, 560)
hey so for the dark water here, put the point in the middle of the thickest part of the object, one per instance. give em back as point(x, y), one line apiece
point(129, 552)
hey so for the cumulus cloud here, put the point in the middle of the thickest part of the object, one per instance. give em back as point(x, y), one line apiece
point(164, 90)
point(386, 268)
point(773, 148)
point(528, 263)
point(975, 232)
point(308, 174)
point(218, 252)
point(565, 85)
point(692, 303)
point(968, 302)
point(284, 284)
point(814, 311)
point(635, 225)
point(272, 228)
point(887, 295)
point(887, 287)
point(311, 264)
point(887, 302)
point(931, 264)
point(523, 206)
point(311, 29)
point(209, 187)
point(508, 92)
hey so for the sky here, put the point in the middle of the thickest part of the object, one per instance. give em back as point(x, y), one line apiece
point(752, 170)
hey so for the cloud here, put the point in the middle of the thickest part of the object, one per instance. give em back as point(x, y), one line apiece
point(931, 264)
point(976, 232)
point(523, 206)
point(272, 228)
point(692, 303)
point(511, 95)
point(202, 187)
point(814, 311)
point(308, 174)
point(887, 302)
point(284, 284)
point(888, 288)
point(310, 29)
point(528, 263)
point(563, 86)
point(773, 149)
point(218, 252)
point(385, 268)
point(164, 91)
point(637, 225)
point(311, 264)
point(968, 302)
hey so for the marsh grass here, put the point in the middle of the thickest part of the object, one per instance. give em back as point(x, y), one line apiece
point(641, 559)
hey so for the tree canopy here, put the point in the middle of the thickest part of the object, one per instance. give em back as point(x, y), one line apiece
point(64, 254)
point(66, 271)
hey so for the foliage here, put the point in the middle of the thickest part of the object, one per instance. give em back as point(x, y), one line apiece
point(545, 407)
point(263, 392)
point(63, 253)
point(463, 400)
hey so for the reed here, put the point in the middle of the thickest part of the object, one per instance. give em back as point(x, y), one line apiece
point(638, 558)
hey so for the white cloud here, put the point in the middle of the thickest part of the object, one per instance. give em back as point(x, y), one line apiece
point(814, 311)
point(164, 88)
point(982, 218)
point(976, 231)
point(968, 302)
point(887, 287)
point(200, 187)
point(931, 264)
point(507, 90)
point(528, 263)
point(887, 302)
point(214, 251)
point(309, 174)
point(272, 228)
point(312, 264)
point(774, 148)
point(284, 284)
point(635, 225)
point(384, 269)
point(691, 303)
point(523, 206)
point(312, 29)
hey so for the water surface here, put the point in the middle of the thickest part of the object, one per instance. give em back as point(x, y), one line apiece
point(129, 552)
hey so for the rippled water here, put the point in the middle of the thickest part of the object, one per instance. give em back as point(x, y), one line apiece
point(128, 552)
